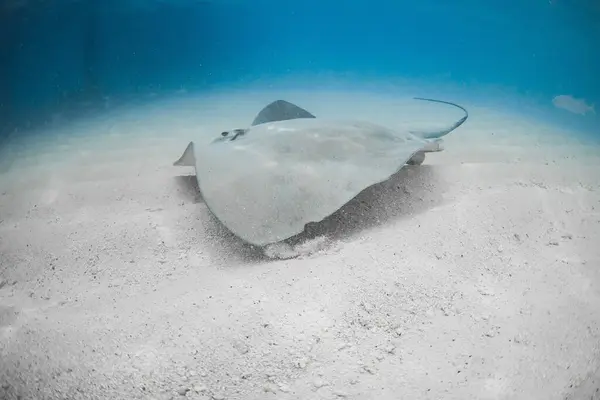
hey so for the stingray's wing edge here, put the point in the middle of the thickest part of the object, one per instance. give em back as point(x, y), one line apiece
point(187, 159)
point(440, 133)
point(280, 110)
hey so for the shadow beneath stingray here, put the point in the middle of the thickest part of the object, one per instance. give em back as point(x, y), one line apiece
point(224, 244)
point(412, 190)
point(228, 247)
point(188, 187)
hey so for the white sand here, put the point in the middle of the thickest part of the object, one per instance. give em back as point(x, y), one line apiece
point(474, 276)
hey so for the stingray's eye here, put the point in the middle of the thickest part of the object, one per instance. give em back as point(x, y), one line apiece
point(224, 134)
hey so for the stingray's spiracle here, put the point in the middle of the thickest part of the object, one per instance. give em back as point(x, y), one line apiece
point(238, 132)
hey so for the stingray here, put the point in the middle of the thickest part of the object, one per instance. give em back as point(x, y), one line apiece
point(289, 168)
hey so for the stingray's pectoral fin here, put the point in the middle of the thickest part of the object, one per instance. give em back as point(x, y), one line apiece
point(280, 110)
point(187, 159)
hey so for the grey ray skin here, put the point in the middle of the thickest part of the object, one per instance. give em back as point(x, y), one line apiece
point(266, 182)
point(280, 110)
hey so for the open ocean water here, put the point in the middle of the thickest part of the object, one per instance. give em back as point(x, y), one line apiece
point(62, 59)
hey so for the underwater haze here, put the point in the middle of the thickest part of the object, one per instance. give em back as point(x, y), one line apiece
point(57, 53)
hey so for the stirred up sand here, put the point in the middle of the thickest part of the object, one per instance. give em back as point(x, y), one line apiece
point(473, 276)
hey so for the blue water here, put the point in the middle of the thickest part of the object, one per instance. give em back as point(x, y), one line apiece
point(54, 54)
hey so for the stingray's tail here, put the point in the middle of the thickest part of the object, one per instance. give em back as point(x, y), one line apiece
point(440, 133)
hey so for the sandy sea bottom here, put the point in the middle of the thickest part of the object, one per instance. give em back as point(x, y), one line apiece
point(473, 276)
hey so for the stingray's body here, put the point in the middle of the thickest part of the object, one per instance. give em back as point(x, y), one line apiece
point(265, 183)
